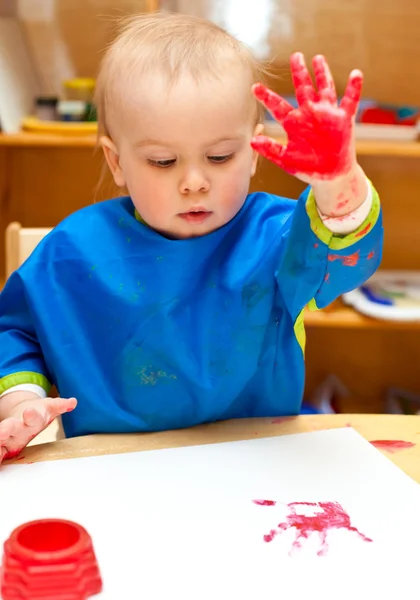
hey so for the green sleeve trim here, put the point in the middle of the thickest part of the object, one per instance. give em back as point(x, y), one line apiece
point(299, 329)
point(10, 381)
point(312, 305)
point(299, 326)
point(338, 242)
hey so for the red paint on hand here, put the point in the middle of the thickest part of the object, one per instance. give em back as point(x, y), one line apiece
point(327, 516)
point(392, 446)
point(13, 454)
point(264, 502)
point(320, 133)
point(348, 261)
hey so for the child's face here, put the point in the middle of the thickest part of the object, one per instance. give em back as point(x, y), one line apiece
point(184, 152)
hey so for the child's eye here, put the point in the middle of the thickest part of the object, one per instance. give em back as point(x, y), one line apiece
point(221, 159)
point(163, 164)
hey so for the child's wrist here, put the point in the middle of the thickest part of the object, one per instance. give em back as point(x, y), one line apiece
point(342, 195)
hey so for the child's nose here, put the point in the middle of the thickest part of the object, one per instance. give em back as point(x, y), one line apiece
point(194, 180)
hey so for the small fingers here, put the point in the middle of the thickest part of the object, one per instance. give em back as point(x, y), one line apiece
point(269, 148)
point(59, 406)
point(5, 427)
point(278, 106)
point(301, 79)
point(34, 418)
point(324, 80)
point(10, 428)
point(3, 452)
point(351, 98)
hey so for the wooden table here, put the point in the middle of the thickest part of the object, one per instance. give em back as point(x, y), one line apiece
point(372, 427)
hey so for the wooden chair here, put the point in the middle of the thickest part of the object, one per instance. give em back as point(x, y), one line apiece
point(20, 243)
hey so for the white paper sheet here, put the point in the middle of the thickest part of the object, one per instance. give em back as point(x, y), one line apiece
point(181, 523)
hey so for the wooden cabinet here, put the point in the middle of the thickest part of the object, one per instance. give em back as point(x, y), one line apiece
point(43, 179)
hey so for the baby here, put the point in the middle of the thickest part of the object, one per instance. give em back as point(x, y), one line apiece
point(182, 302)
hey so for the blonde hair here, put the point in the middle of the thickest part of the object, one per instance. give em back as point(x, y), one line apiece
point(173, 44)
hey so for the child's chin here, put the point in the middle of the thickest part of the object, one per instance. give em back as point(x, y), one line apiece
point(196, 231)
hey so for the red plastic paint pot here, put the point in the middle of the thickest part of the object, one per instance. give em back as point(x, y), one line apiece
point(50, 559)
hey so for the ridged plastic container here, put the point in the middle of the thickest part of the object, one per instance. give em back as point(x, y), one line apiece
point(50, 559)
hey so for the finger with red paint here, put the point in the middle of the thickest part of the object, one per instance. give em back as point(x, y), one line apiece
point(269, 149)
point(27, 420)
point(351, 98)
point(324, 80)
point(304, 88)
point(284, 156)
point(278, 106)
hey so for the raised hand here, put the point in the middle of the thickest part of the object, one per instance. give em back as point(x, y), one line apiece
point(29, 418)
point(320, 132)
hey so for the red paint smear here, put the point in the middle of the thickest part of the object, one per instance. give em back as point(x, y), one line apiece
point(269, 537)
point(319, 133)
point(364, 231)
point(331, 516)
point(392, 446)
point(327, 276)
point(343, 203)
point(370, 255)
point(348, 424)
point(264, 502)
point(278, 420)
point(354, 186)
point(13, 454)
point(349, 261)
point(339, 218)
point(316, 245)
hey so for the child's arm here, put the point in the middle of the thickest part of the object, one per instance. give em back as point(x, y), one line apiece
point(329, 249)
point(321, 149)
point(23, 414)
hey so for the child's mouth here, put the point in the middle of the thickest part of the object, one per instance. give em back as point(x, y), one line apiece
point(195, 216)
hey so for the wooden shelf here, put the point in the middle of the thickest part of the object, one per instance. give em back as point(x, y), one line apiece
point(342, 316)
point(34, 140)
point(387, 148)
point(364, 147)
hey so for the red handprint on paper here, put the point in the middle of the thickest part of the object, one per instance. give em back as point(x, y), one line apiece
point(326, 516)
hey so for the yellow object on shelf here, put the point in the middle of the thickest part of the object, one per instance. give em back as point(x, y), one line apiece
point(66, 128)
point(80, 89)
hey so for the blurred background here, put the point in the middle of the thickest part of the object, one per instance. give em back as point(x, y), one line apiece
point(361, 357)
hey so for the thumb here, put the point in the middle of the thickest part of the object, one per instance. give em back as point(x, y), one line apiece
point(59, 406)
point(269, 148)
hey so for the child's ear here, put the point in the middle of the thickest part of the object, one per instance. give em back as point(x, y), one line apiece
point(257, 131)
point(113, 159)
